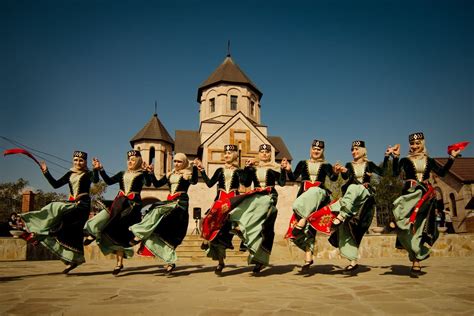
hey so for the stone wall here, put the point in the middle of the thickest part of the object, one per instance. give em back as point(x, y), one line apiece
point(373, 246)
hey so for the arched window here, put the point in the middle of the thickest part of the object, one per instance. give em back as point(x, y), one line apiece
point(233, 103)
point(152, 155)
point(212, 105)
point(453, 204)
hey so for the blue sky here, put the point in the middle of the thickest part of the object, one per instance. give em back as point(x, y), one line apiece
point(85, 74)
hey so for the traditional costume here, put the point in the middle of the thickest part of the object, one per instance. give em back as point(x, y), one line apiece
point(215, 225)
point(356, 208)
point(254, 213)
point(164, 226)
point(110, 227)
point(58, 225)
point(414, 211)
point(312, 195)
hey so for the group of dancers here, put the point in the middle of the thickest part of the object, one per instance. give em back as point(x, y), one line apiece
point(65, 228)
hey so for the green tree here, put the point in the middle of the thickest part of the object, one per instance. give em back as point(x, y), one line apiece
point(10, 197)
point(335, 187)
point(387, 189)
point(44, 198)
point(98, 190)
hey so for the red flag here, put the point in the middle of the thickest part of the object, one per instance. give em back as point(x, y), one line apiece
point(15, 151)
point(457, 146)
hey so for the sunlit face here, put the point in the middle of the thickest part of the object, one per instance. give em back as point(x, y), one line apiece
point(356, 152)
point(79, 163)
point(131, 162)
point(316, 152)
point(264, 155)
point(416, 146)
point(229, 156)
point(178, 164)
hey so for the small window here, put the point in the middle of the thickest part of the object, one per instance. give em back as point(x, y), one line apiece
point(152, 155)
point(212, 103)
point(252, 108)
point(233, 103)
point(453, 204)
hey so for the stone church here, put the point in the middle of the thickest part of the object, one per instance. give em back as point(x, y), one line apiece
point(229, 113)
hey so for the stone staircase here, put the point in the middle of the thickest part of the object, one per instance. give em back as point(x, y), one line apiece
point(190, 249)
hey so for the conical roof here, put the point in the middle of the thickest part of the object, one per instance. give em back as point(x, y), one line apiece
point(153, 130)
point(228, 72)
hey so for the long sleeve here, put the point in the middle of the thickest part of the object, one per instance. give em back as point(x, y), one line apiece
point(281, 177)
point(379, 170)
point(57, 183)
point(213, 180)
point(345, 175)
point(396, 167)
point(111, 180)
point(158, 183)
point(440, 171)
point(293, 175)
point(94, 176)
point(194, 176)
point(330, 172)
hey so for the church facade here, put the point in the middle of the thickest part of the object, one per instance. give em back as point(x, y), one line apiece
point(229, 113)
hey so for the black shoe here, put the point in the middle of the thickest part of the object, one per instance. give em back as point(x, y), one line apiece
point(258, 267)
point(169, 268)
point(117, 269)
point(305, 267)
point(415, 271)
point(219, 269)
point(350, 269)
point(88, 240)
point(204, 246)
point(70, 267)
point(134, 242)
point(243, 247)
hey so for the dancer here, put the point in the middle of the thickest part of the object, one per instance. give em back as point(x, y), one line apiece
point(215, 225)
point(253, 214)
point(58, 225)
point(312, 195)
point(164, 226)
point(414, 211)
point(355, 209)
point(110, 227)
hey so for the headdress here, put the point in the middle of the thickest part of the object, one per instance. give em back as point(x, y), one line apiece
point(318, 143)
point(80, 154)
point(416, 136)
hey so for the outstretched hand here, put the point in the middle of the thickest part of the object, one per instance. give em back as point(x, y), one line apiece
point(43, 166)
point(285, 165)
point(96, 164)
point(455, 153)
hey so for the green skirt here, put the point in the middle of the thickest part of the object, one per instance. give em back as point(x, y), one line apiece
point(358, 213)
point(411, 236)
point(94, 227)
point(251, 216)
point(305, 204)
point(147, 230)
point(48, 218)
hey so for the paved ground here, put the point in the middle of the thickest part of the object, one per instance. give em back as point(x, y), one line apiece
point(382, 287)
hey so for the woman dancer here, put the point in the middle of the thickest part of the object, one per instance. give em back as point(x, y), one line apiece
point(356, 207)
point(253, 214)
point(58, 225)
point(415, 210)
point(164, 227)
point(215, 225)
point(111, 226)
point(312, 195)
